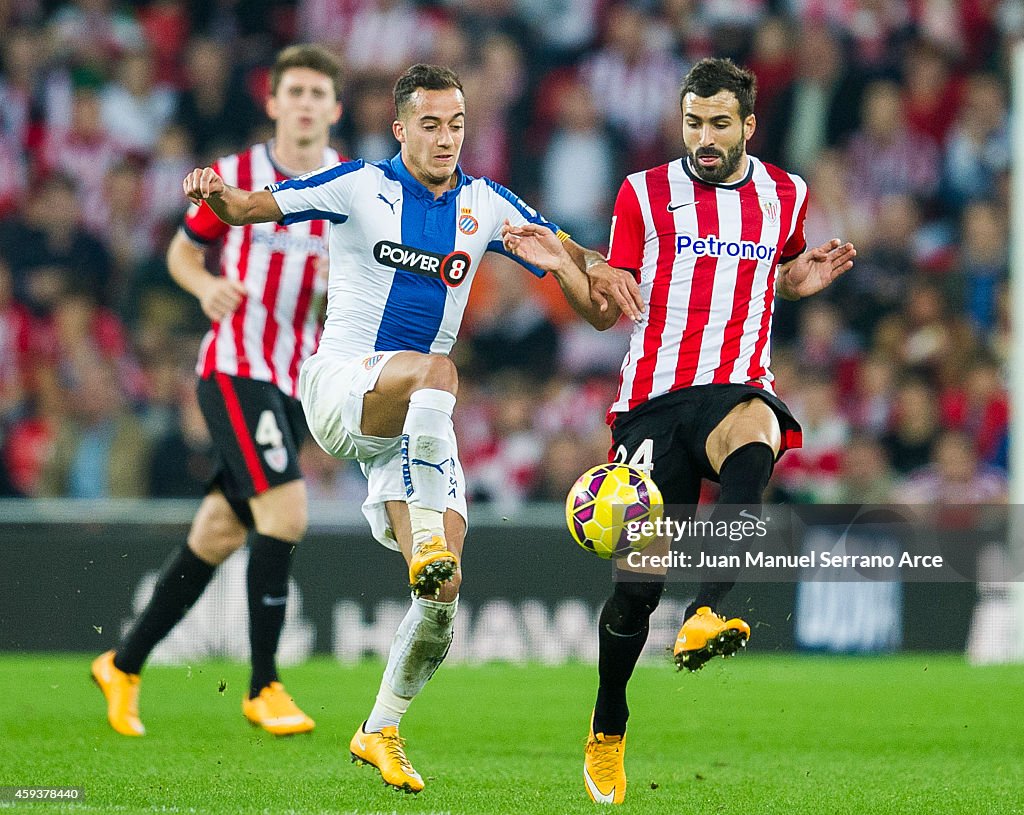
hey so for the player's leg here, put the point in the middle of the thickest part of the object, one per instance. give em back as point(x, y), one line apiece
point(414, 397)
point(624, 622)
point(741, 450)
point(216, 532)
point(419, 646)
point(358, 408)
point(267, 427)
point(279, 516)
point(623, 627)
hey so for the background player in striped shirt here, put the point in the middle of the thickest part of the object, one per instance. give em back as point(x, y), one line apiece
point(407, 237)
point(711, 238)
point(264, 308)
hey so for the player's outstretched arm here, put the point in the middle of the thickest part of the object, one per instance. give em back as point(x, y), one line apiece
point(607, 283)
point(542, 248)
point(231, 204)
point(814, 270)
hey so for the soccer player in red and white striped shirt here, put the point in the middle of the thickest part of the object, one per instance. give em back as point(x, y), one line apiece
point(710, 238)
point(264, 309)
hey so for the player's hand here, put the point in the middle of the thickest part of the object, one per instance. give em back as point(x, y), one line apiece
point(221, 297)
point(202, 184)
point(816, 268)
point(535, 244)
point(607, 282)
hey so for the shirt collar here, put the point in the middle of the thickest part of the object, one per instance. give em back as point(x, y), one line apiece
point(415, 187)
point(268, 146)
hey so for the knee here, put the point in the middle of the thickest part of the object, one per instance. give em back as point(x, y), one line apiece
point(752, 422)
point(288, 526)
point(742, 437)
point(216, 531)
point(756, 424)
point(437, 372)
point(281, 512)
point(216, 542)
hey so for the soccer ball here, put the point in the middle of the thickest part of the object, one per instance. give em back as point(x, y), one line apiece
point(606, 504)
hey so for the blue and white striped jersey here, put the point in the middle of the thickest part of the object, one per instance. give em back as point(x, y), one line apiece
point(401, 261)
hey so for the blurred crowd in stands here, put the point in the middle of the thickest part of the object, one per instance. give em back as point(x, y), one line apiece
point(895, 111)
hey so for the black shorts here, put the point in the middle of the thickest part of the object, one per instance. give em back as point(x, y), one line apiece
point(670, 433)
point(256, 431)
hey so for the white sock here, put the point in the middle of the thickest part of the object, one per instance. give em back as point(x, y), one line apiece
point(428, 626)
point(427, 460)
point(387, 711)
point(426, 523)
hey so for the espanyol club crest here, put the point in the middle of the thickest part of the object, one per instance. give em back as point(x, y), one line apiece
point(467, 223)
point(369, 362)
point(276, 458)
point(770, 208)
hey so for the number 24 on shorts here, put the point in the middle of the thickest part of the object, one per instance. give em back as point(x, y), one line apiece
point(642, 458)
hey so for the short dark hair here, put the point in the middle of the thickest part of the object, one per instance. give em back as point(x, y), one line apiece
point(427, 77)
point(711, 75)
point(306, 56)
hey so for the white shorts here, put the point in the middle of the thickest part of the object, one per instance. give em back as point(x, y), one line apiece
point(331, 390)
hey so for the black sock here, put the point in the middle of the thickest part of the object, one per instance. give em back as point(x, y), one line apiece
point(267, 584)
point(743, 475)
point(182, 580)
point(622, 632)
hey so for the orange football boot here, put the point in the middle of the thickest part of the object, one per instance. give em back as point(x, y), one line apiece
point(705, 635)
point(431, 565)
point(386, 751)
point(276, 712)
point(604, 769)
point(122, 693)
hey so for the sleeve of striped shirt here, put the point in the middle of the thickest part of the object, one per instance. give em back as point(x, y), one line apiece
point(324, 194)
point(509, 205)
point(797, 242)
point(626, 242)
point(201, 223)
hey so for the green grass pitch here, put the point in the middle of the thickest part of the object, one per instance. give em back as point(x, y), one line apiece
point(757, 734)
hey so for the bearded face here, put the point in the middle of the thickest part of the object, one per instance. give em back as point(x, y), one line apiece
point(715, 137)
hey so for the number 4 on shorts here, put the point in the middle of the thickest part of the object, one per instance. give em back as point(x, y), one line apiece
point(268, 433)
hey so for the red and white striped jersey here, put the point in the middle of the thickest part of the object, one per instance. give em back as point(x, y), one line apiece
point(705, 256)
point(276, 326)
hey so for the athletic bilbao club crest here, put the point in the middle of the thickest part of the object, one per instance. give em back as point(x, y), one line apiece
point(770, 208)
point(467, 223)
point(276, 458)
point(369, 362)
